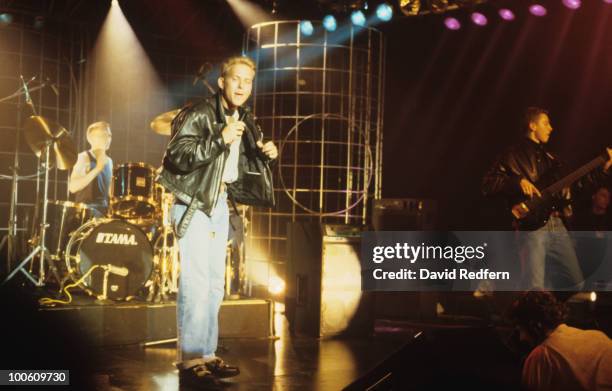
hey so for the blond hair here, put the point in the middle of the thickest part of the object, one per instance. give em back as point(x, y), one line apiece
point(230, 62)
point(97, 126)
point(100, 125)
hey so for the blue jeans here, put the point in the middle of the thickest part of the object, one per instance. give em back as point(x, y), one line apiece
point(549, 259)
point(201, 285)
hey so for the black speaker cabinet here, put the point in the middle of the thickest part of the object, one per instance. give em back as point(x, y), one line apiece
point(323, 296)
point(404, 214)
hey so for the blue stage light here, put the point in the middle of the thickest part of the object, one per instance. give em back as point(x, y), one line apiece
point(6, 18)
point(358, 18)
point(384, 12)
point(306, 27)
point(329, 22)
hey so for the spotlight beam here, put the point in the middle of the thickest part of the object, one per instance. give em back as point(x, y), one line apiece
point(248, 13)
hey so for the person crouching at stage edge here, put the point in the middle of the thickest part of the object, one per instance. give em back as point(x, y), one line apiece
point(215, 143)
point(560, 357)
point(91, 176)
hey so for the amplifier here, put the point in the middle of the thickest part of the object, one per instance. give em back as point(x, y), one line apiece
point(323, 295)
point(404, 214)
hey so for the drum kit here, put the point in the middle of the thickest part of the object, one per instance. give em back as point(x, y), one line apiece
point(130, 252)
point(132, 248)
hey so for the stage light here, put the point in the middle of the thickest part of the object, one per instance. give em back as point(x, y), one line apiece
point(452, 23)
point(306, 28)
point(438, 6)
point(572, 4)
point(6, 19)
point(410, 7)
point(607, 1)
point(121, 63)
point(384, 12)
point(593, 297)
point(358, 18)
point(250, 13)
point(329, 23)
point(506, 14)
point(479, 19)
point(276, 285)
point(537, 10)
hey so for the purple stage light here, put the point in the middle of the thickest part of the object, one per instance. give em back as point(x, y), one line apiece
point(608, 1)
point(506, 14)
point(572, 4)
point(452, 24)
point(479, 19)
point(537, 10)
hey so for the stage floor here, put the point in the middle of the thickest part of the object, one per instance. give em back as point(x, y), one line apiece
point(283, 363)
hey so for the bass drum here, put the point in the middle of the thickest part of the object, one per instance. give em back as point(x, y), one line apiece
point(64, 217)
point(112, 247)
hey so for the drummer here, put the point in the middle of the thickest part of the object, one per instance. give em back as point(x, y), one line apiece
point(92, 174)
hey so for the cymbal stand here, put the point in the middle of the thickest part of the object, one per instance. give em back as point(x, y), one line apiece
point(166, 280)
point(10, 238)
point(39, 250)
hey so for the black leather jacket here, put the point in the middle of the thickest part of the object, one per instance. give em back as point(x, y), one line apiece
point(195, 157)
point(526, 159)
point(535, 163)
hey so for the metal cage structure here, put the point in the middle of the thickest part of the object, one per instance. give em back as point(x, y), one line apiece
point(320, 98)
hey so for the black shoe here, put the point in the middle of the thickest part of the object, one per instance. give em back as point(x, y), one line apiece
point(198, 377)
point(220, 369)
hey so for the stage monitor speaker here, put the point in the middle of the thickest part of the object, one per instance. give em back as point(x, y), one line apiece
point(323, 296)
point(447, 357)
point(404, 214)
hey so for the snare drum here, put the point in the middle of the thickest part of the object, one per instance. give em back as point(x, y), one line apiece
point(64, 217)
point(120, 249)
point(134, 195)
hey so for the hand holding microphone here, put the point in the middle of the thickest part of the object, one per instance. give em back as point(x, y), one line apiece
point(233, 131)
point(269, 149)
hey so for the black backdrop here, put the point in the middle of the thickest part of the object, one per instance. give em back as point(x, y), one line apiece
point(454, 99)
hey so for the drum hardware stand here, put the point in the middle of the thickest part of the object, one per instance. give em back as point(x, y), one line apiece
point(162, 285)
point(40, 249)
point(235, 272)
point(10, 237)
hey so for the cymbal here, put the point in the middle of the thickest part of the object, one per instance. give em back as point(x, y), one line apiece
point(162, 124)
point(39, 131)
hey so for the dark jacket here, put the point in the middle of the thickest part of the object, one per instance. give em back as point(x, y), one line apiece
point(535, 163)
point(195, 157)
point(526, 159)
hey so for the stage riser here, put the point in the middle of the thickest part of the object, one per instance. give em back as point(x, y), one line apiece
point(110, 325)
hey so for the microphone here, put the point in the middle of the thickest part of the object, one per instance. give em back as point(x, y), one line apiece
point(245, 111)
point(25, 89)
point(118, 270)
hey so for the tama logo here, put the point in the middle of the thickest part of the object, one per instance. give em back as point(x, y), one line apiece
point(121, 239)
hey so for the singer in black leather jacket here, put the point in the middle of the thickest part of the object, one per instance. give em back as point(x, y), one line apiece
point(195, 157)
point(215, 153)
